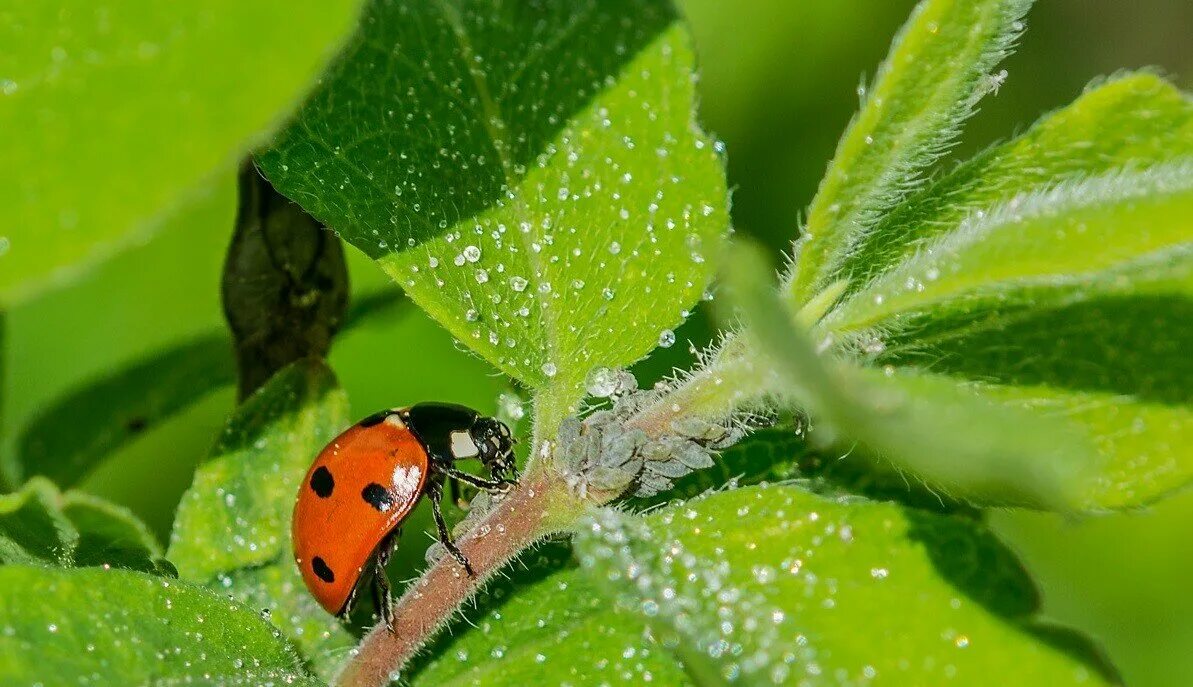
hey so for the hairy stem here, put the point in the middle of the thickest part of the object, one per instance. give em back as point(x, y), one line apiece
point(540, 506)
point(731, 380)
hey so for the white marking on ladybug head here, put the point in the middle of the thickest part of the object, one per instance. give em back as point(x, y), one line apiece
point(463, 446)
point(395, 420)
point(406, 481)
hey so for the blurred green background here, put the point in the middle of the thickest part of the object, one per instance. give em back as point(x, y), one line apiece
point(778, 86)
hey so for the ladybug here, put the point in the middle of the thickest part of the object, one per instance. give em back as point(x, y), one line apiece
point(364, 484)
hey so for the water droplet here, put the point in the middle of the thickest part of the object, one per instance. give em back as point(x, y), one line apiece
point(602, 382)
point(472, 253)
point(549, 369)
point(666, 338)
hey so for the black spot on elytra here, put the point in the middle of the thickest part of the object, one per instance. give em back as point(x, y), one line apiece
point(377, 496)
point(322, 571)
point(322, 482)
point(375, 418)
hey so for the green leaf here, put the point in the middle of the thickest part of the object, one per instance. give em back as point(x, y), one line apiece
point(110, 535)
point(938, 68)
point(774, 584)
point(124, 110)
point(93, 626)
point(232, 532)
point(533, 179)
point(552, 624)
point(1055, 271)
point(54, 360)
point(1142, 444)
point(41, 526)
point(1133, 121)
point(1101, 233)
point(943, 432)
point(114, 410)
point(33, 531)
point(1075, 301)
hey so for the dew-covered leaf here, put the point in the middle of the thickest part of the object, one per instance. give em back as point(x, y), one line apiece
point(123, 110)
point(550, 624)
point(42, 526)
point(939, 67)
point(946, 434)
point(232, 532)
point(776, 584)
point(531, 174)
point(94, 626)
point(1133, 121)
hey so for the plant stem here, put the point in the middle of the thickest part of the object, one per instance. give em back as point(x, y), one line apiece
point(730, 381)
point(539, 506)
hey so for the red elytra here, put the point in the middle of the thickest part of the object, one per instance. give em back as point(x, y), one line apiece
point(365, 483)
point(360, 488)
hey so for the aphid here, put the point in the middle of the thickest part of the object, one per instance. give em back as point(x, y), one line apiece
point(363, 485)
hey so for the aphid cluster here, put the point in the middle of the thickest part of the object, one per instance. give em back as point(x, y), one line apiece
point(604, 454)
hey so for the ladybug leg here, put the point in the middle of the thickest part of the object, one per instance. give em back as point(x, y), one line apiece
point(458, 498)
point(478, 482)
point(435, 493)
point(382, 599)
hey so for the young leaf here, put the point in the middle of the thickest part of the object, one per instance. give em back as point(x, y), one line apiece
point(232, 532)
point(533, 179)
point(124, 111)
point(1101, 233)
point(1133, 121)
point(776, 584)
point(1074, 299)
point(938, 69)
point(90, 626)
point(41, 526)
point(934, 427)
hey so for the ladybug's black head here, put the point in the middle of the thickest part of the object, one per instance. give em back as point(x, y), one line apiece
point(496, 446)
